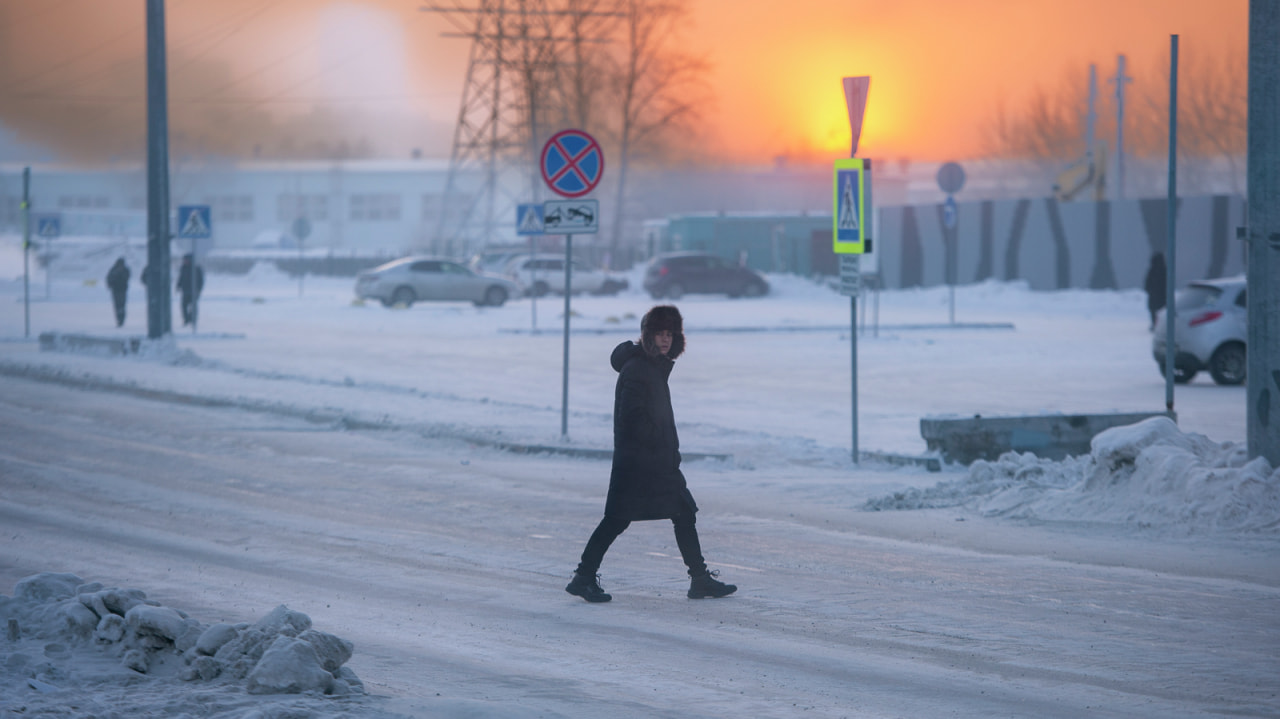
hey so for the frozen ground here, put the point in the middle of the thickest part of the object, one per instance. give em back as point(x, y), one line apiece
point(302, 450)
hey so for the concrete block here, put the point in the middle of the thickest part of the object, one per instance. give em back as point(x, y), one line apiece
point(1050, 436)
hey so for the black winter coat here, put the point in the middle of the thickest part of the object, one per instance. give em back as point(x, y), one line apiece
point(646, 482)
point(118, 278)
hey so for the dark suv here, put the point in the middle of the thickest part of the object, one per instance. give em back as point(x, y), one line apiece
point(676, 274)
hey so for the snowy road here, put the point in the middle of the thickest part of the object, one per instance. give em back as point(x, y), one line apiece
point(445, 565)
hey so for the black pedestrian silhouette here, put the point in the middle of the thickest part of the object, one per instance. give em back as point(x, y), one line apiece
point(118, 283)
point(190, 283)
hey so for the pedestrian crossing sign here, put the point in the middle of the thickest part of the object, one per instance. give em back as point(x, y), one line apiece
point(194, 222)
point(851, 212)
point(529, 219)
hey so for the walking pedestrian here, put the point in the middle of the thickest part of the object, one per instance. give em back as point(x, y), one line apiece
point(118, 283)
point(190, 283)
point(1156, 286)
point(646, 482)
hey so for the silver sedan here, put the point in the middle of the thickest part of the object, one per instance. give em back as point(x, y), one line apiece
point(422, 279)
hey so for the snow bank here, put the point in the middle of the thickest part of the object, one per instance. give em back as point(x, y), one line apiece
point(1148, 474)
point(71, 643)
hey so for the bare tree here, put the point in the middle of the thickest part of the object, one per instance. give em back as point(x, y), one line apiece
point(1212, 107)
point(655, 87)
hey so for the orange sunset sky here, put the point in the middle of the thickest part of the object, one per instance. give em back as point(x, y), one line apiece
point(939, 68)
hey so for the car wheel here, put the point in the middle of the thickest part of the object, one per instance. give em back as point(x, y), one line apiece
point(1228, 364)
point(540, 288)
point(753, 289)
point(495, 296)
point(403, 296)
point(675, 291)
point(1181, 375)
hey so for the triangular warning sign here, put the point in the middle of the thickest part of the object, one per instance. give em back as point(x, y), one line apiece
point(195, 226)
point(530, 223)
point(848, 219)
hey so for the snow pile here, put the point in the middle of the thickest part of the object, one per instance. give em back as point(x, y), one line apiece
point(63, 635)
point(1148, 474)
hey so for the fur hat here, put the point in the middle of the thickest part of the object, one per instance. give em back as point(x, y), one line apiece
point(662, 317)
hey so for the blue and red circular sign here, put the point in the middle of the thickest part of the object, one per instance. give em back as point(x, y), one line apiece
point(572, 163)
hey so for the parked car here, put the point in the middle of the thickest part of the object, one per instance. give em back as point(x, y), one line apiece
point(421, 279)
point(675, 274)
point(543, 273)
point(1210, 331)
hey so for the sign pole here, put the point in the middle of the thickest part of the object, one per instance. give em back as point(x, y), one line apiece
point(564, 396)
point(26, 248)
point(1171, 249)
point(853, 367)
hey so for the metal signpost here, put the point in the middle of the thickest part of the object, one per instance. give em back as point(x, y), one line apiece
point(851, 238)
point(194, 223)
point(26, 249)
point(529, 223)
point(572, 165)
point(951, 180)
point(49, 227)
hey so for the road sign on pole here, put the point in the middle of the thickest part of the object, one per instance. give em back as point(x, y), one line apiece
point(571, 217)
point(572, 163)
point(529, 219)
point(49, 225)
point(851, 213)
point(194, 222)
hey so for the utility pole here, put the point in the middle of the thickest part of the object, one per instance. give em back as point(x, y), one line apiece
point(1263, 232)
point(156, 273)
point(507, 102)
point(1120, 80)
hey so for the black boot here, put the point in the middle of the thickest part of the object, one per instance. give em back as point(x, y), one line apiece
point(587, 587)
point(706, 585)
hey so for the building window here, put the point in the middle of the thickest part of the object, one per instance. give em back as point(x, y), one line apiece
point(312, 207)
point(231, 208)
point(375, 208)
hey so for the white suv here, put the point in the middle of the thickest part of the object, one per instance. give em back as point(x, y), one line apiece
point(1210, 331)
point(540, 274)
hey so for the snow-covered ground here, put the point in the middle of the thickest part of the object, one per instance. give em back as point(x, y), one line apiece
point(330, 438)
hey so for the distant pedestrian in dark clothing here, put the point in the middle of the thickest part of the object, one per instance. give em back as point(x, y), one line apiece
point(1156, 286)
point(190, 283)
point(646, 482)
point(118, 283)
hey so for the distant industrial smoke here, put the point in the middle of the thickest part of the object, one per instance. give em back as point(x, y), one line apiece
point(272, 80)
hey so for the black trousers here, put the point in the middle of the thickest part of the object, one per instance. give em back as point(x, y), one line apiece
point(610, 528)
point(118, 301)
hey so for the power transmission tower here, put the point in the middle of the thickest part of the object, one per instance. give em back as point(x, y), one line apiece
point(511, 96)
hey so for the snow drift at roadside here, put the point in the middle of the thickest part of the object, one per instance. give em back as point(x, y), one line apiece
point(1148, 474)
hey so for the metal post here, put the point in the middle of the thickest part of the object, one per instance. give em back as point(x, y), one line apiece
point(26, 249)
point(1171, 275)
point(564, 397)
point(159, 303)
point(853, 367)
point(1263, 371)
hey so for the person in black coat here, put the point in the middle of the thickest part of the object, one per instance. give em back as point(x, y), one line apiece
point(189, 285)
point(118, 283)
point(1155, 286)
point(646, 482)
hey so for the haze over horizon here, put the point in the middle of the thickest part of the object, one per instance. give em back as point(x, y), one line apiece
point(379, 72)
